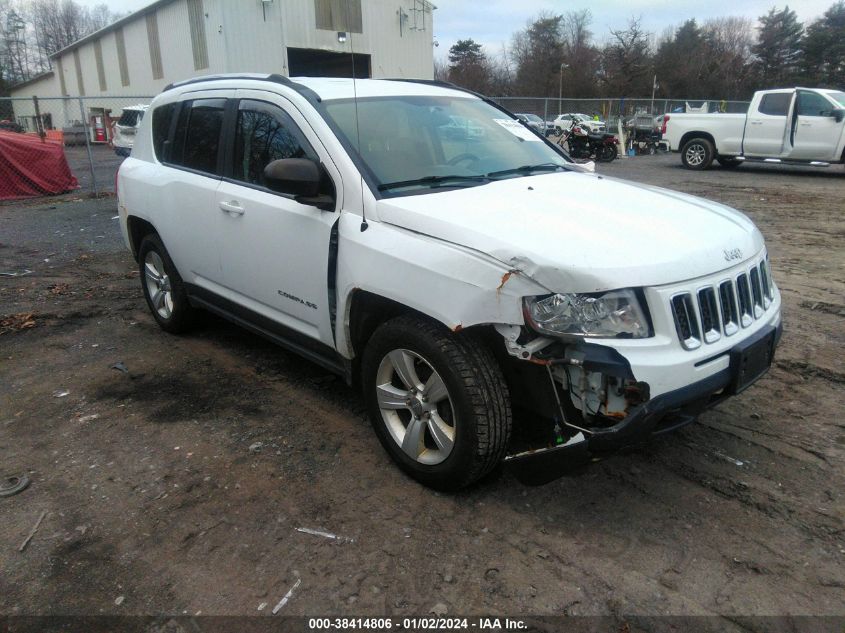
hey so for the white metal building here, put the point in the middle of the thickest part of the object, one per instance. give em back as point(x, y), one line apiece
point(172, 40)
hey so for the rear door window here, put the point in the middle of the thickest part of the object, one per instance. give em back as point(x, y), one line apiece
point(196, 142)
point(775, 104)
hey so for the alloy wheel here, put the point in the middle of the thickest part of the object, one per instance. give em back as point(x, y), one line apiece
point(415, 406)
point(695, 154)
point(158, 285)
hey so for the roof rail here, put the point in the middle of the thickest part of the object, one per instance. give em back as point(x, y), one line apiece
point(274, 78)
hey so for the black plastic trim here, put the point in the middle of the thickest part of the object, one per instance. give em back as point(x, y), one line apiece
point(687, 401)
point(281, 335)
point(605, 360)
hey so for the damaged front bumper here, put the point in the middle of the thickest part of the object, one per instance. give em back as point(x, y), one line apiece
point(749, 360)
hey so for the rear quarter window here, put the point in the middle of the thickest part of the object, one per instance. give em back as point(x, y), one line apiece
point(162, 118)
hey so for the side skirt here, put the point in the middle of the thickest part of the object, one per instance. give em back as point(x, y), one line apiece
point(281, 335)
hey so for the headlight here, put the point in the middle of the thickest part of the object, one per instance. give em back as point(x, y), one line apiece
point(609, 314)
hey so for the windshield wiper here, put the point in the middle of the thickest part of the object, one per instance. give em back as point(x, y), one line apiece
point(432, 181)
point(526, 169)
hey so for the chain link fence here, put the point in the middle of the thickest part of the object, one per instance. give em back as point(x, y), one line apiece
point(55, 145)
point(611, 110)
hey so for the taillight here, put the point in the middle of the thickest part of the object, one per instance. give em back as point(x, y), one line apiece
point(665, 121)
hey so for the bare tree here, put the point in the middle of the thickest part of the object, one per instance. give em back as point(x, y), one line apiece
point(31, 31)
point(581, 56)
point(626, 62)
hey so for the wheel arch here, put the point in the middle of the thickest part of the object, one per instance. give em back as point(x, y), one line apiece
point(366, 311)
point(691, 135)
point(138, 229)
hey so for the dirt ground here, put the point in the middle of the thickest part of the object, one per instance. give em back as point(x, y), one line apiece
point(177, 485)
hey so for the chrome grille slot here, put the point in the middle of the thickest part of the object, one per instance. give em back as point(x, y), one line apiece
point(709, 311)
point(720, 307)
point(756, 293)
point(730, 315)
point(765, 278)
point(743, 292)
point(686, 321)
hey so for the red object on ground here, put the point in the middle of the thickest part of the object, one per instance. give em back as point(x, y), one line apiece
point(31, 167)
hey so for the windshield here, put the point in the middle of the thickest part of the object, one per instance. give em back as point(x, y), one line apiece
point(409, 143)
point(838, 96)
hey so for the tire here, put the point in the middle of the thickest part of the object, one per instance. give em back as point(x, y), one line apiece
point(163, 287)
point(460, 437)
point(607, 154)
point(697, 153)
point(729, 163)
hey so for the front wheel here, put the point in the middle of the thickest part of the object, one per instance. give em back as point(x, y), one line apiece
point(437, 400)
point(697, 153)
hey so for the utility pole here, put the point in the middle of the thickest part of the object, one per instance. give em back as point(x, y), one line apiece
point(653, 90)
point(560, 89)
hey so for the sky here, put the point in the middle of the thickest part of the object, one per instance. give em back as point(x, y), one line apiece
point(492, 22)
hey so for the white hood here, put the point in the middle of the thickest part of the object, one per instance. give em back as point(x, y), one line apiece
point(576, 232)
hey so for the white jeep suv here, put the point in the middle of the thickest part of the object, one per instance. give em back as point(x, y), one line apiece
point(487, 313)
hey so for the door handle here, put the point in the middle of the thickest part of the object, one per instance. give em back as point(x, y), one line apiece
point(756, 123)
point(232, 208)
point(806, 125)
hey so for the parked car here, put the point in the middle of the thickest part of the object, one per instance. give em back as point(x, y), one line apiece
point(564, 121)
point(461, 128)
point(492, 302)
point(533, 121)
point(801, 126)
point(126, 128)
point(10, 126)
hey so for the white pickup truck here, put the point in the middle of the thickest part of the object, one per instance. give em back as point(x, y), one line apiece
point(799, 126)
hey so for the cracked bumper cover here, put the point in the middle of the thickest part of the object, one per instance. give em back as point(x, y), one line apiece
point(663, 413)
point(674, 409)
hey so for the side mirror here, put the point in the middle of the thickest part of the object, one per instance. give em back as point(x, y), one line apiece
point(300, 178)
point(838, 115)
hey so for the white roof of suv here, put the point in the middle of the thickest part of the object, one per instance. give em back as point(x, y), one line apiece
point(329, 88)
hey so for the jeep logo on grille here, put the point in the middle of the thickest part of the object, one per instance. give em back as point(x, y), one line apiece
point(732, 253)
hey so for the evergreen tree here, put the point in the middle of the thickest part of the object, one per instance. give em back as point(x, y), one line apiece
point(468, 65)
point(823, 58)
point(778, 48)
point(538, 52)
point(681, 61)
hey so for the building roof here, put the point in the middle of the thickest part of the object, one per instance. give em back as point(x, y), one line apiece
point(32, 80)
point(113, 26)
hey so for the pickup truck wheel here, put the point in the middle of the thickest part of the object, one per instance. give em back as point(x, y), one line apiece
point(163, 287)
point(438, 402)
point(729, 163)
point(697, 153)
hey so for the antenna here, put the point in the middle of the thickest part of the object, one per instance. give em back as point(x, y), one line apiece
point(364, 225)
